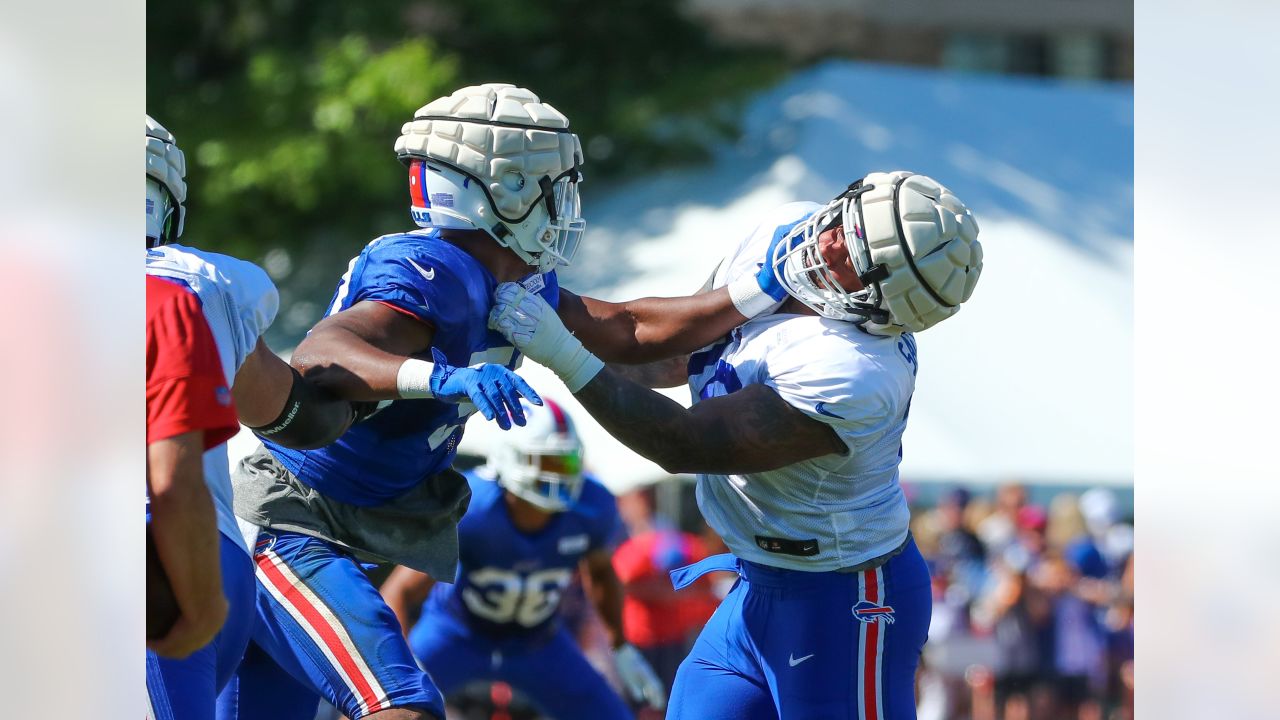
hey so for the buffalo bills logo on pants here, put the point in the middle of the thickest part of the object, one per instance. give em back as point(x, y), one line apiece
point(869, 612)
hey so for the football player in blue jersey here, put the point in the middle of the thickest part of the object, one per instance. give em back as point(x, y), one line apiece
point(795, 434)
point(534, 519)
point(493, 181)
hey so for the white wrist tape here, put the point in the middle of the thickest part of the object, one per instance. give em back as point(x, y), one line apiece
point(578, 367)
point(413, 380)
point(748, 298)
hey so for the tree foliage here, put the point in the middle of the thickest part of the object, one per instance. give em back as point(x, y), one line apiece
point(288, 110)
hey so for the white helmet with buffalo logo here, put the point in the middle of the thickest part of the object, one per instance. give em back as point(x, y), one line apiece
point(540, 462)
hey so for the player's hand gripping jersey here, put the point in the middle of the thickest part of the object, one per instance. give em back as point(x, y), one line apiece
point(828, 512)
point(382, 462)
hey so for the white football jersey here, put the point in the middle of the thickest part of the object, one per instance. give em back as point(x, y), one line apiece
point(828, 512)
point(239, 302)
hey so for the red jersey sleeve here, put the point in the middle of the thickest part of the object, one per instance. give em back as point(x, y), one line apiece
point(186, 388)
point(632, 560)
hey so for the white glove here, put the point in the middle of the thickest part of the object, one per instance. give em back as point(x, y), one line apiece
point(641, 681)
point(530, 324)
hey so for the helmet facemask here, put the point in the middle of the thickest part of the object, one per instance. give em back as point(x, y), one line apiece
point(807, 276)
point(912, 243)
point(549, 481)
point(166, 185)
point(164, 215)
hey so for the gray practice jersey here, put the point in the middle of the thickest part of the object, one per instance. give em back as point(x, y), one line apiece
point(833, 511)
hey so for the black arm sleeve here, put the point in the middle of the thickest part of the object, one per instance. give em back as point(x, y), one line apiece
point(311, 418)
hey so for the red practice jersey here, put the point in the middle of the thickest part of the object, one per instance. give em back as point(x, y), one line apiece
point(659, 615)
point(186, 386)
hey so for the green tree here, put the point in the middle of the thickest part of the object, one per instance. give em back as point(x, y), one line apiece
point(288, 110)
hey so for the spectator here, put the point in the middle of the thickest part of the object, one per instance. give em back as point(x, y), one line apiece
point(657, 620)
point(1000, 528)
point(960, 554)
point(1102, 517)
point(1019, 616)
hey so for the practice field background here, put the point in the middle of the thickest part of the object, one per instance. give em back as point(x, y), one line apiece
point(696, 116)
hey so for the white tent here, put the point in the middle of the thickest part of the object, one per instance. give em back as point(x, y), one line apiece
point(1033, 379)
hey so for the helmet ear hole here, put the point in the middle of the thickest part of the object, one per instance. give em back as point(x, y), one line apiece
point(513, 180)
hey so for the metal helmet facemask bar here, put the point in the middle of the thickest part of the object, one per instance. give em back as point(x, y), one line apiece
point(166, 171)
point(559, 197)
point(807, 276)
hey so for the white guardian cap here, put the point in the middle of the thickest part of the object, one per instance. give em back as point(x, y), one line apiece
point(540, 462)
point(166, 185)
point(494, 157)
point(913, 244)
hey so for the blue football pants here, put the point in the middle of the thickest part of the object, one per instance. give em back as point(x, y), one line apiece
point(550, 672)
point(322, 630)
point(793, 645)
point(185, 689)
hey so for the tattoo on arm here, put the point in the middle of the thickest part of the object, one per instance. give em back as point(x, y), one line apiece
point(751, 430)
point(672, 372)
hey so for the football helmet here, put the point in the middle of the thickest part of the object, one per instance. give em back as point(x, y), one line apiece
point(495, 158)
point(542, 461)
point(166, 185)
point(913, 244)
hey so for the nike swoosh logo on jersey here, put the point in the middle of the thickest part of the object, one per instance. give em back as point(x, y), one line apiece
point(794, 661)
point(821, 409)
point(428, 274)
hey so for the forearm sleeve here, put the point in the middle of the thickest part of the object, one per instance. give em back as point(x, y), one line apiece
point(310, 418)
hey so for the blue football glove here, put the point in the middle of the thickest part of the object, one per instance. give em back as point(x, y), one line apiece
point(493, 389)
point(762, 293)
point(767, 277)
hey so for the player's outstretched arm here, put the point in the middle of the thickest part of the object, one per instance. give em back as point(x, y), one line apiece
point(648, 329)
point(278, 404)
point(751, 430)
point(404, 590)
point(373, 352)
point(185, 529)
point(672, 372)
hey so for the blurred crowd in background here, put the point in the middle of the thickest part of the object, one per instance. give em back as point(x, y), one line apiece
point(1032, 602)
point(1032, 607)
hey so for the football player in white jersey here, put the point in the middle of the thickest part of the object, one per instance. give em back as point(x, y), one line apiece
point(795, 436)
point(186, 662)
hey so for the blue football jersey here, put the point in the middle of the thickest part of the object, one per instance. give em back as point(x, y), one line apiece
point(509, 582)
point(407, 441)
